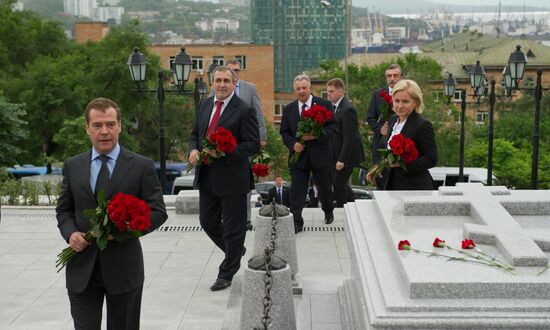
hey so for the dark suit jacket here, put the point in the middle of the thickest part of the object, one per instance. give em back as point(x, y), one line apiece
point(272, 193)
point(376, 123)
point(232, 173)
point(417, 176)
point(319, 150)
point(348, 147)
point(121, 263)
point(249, 94)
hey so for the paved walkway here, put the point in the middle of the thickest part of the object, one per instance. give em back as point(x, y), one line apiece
point(180, 265)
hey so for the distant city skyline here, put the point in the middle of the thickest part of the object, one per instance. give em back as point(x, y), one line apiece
point(537, 3)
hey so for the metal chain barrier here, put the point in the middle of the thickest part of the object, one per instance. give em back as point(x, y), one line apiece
point(268, 280)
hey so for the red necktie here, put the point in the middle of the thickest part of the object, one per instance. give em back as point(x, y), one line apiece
point(215, 118)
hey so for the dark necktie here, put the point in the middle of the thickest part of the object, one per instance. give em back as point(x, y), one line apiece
point(303, 108)
point(280, 190)
point(103, 179)
point(215, 118)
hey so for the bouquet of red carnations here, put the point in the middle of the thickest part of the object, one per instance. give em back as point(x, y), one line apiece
point(311, 122)
point(221, 141)
point(123, 217)
point(260, 164)
point(387, 107)
point(403, 151)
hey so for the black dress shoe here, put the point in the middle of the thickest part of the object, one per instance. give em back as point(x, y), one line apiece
point(220, 284)
point(249, 226)
point(298, 229)
point(329, 218)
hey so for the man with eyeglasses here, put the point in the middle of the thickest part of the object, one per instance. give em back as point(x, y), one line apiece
point(375, 120)
point(116, 273)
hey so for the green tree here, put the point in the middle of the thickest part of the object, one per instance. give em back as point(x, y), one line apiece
point(512, 166)
point(73, 137)
point(12, 131)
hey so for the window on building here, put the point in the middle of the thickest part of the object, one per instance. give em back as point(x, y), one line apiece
point(481, 117)
point(458, 95)
point(197, 62)
point(242, 59)
point(218, 60)
point(279, 109)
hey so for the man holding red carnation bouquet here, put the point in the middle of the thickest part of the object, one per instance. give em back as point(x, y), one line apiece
point(309, 151)
point(116, 272)
point(225, 180)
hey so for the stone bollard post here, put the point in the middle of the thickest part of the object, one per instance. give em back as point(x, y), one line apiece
point(286, 239)
point(187, 202)
point(281, 313)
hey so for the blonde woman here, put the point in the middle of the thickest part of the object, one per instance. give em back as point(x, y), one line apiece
point(408, 105)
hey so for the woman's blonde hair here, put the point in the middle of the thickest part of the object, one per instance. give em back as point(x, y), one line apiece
point(411, 87)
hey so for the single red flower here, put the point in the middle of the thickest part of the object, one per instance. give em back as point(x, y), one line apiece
point(468, 244)
point(404, 245)
point(438, 243)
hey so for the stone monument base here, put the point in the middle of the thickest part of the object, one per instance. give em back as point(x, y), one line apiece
point(391, 289)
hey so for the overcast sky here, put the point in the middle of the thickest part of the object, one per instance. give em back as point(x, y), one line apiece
point(538, 3)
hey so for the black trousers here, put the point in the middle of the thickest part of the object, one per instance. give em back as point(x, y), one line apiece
point(228, 234)
point(300, 184)
point(342, 190)
point(123, 310)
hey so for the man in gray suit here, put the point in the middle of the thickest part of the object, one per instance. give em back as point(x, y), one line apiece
point(247, 92)
point(115, 273)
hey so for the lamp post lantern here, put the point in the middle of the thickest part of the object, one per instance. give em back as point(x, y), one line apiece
point(516, 63)
point(180, 68)
point(450, 86)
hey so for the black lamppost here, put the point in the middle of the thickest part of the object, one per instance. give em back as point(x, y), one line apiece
point(181, 68)
point(513, 73)
point(450, 86)
point(478, 84)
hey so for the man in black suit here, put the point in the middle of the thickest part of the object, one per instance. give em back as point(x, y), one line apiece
point(348, 149)
point(315, 153)
point(116, 272)
point(279, 192)
point(393, 75)
point(224, 183)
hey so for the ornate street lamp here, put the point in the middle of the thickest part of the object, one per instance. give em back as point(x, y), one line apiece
point(137, 63)
point(517, 62)
point(477, 75)
point(180, 68)
point(450, 85)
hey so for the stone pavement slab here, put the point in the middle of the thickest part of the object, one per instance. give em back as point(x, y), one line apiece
point(180, 265)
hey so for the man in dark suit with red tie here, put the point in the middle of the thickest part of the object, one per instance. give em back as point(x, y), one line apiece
point(315, 154)
point(116, 273)
point(393, 75)
point(348, 149)
point(224, 183)
point(279, 193)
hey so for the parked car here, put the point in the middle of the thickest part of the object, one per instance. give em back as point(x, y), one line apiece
point(448, 176)
point(19, 171)
point(361, 193)
point(173, 170)
point(183, 182)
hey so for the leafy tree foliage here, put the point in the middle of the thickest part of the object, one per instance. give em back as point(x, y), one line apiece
point(12, 131)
